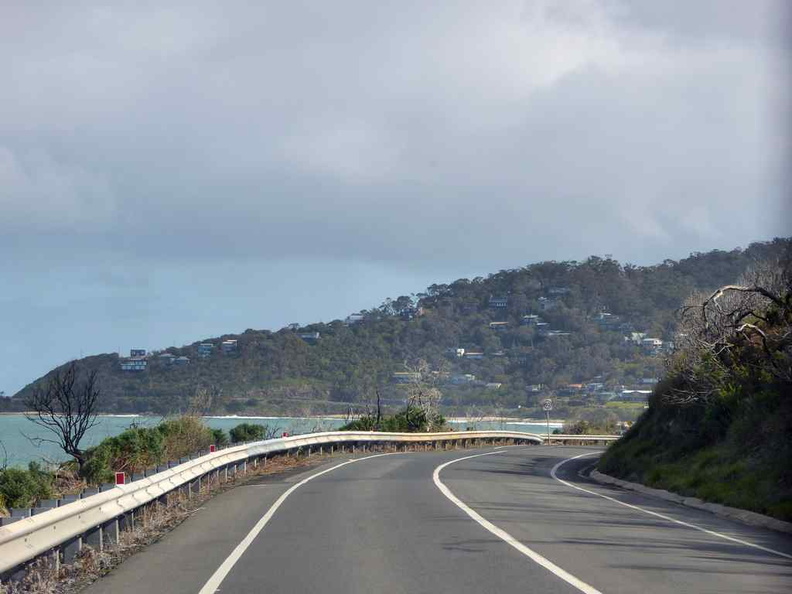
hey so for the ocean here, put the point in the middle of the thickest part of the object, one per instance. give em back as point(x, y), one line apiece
point(19, 437)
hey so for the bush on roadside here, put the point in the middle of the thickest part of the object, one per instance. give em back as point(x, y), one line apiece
point(409, 420)
point(24, 488)
point(139, 448)
point(220, 438)
point(248, 432)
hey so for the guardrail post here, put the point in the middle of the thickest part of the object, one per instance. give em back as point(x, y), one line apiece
point(110, 532)
point(70, 549)
point(93, 538)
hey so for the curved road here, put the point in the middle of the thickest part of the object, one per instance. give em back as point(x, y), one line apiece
point(383, 524)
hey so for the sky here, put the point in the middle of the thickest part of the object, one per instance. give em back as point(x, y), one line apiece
point(172, 171)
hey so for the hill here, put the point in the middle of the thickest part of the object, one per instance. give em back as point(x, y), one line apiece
point(582, 332)
point(719, 426)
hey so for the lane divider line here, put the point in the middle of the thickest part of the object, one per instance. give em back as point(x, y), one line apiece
point(505, 536)
point(213, 584)
point(658, 515)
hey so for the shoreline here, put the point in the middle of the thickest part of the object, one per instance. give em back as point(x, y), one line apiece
point(328, 417)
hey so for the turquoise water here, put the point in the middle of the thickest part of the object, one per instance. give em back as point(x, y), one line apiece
point(18, 435)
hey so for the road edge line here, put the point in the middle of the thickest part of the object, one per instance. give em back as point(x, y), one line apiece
point(656, 514)
point(505, 536)
point(214, 582)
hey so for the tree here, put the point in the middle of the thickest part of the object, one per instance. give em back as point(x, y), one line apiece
point(717, 331)
point(423, 396)
point(67, 407)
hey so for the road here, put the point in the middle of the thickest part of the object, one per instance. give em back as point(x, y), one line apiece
point(383, 524)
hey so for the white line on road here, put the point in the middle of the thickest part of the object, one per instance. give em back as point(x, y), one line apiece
point(651, 513)
point(505, 536)
point(225, 567)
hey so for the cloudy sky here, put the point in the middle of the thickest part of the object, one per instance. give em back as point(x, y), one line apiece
point(171, 171)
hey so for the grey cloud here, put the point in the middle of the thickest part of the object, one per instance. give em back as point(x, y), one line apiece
point(401, 132)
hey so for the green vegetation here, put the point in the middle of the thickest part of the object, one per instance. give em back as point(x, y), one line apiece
point(250, 432)
point(139, 448)
point(521, 361)
point(719, 426)
point(23, 488)
point(410, 420)
point(133, 451)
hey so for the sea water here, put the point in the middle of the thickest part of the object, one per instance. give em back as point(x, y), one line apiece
point(22, 441)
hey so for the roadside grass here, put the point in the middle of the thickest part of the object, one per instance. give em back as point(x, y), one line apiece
point(718, 474)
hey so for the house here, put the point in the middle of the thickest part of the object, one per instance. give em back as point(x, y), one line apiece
point(493, 385)
point(137, 353)
point(498, 302)
point(167, 358)
point(405, 377)
point(408, 313)
point(205, 349)
point(605, 396)
point(651, 346)
point(535, 388)
point(454, 352)
point(607, 320)
point(530, 320)
point(136, 364)
point(354, 319)
point(635, 337)
point(634, 395)
point(555, 333)
point(546, 304)
point(499, 325)
point(462, 378)
point(474, 355)
point(309, 337)
point(228, 346)
point(181, 361)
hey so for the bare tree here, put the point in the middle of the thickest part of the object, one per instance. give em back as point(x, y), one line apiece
point(753, 313)
point(67, 408)
point(422, 391)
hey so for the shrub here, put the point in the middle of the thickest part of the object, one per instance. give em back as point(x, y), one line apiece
point(24, 488)
point(185, 435)
point(220, 437)
point(139, 448)
point(248, 432)
point(409, 420)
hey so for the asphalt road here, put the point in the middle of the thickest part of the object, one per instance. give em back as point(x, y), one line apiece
point(383, 525)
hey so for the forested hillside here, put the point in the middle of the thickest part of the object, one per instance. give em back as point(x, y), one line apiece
point(719, 425)
point(582, 332)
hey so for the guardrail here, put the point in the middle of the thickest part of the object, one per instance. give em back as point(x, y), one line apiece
point(97, 520)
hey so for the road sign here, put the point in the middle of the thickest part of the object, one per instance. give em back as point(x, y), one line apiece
point(547, 405)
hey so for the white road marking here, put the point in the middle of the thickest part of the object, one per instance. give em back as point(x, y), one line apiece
point(651, 513)
point(225, 567)
point(505, 536)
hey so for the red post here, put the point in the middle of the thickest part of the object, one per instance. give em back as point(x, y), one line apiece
point(285, 434)
point(212, 448)
point(120, 478)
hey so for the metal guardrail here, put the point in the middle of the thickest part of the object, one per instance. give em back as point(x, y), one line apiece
point(97, 519)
